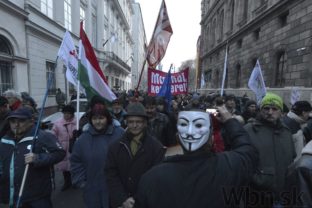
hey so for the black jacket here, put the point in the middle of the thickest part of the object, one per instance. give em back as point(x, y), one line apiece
point(200, 180)
point(123, 170)
point(276, 152)
point(39, 178)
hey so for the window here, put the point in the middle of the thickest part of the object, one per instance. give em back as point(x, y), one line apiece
point(238, 75)
point(83, 16)
point(226, 78)
point(6, 66)
point(67, 14)
point(6, 76)
point(207, 39)
point(232, 6)
point(239, 43)
point(256, 34)
point(280, 69)
point(283, 19)
point(245, 12)
point(47, 7)
point(217, 79)
point(221, 18)
point(213, 32)
point(208, 76)
point(50, 73)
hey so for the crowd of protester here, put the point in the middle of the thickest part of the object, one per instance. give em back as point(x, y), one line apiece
point(249, 154)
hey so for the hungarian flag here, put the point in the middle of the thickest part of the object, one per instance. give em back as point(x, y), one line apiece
point(90, 74)
point(162, 32)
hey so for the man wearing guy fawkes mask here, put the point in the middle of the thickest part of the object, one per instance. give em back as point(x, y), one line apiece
point(200, 178)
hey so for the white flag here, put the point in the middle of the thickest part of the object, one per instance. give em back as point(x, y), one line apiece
point(256, 82)
point(295, 95)
point(68, 54)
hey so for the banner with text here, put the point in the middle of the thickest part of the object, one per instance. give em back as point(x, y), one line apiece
point(179, 81)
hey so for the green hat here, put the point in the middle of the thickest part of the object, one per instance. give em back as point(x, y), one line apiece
point(272, 99)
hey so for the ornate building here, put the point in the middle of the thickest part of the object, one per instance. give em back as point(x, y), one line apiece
point(31, 32)
point(276, 32)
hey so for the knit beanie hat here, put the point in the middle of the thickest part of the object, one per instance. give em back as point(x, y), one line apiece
point(250, 102)
point(272, 99)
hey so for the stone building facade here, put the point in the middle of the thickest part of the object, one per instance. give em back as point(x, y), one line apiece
point(276, 32)
point(31, 32)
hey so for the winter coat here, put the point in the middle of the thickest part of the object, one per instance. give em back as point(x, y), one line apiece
point(121, 118)
point(296, 124)
point(60, 98)
point(300, 178)
point(276, 153)
point(88, 160)
point(125, 170)
point(40, 173)
point(200, 179)
point(63, 130)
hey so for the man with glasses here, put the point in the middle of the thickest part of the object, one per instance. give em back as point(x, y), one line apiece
point(130, 157)
point(276, 150)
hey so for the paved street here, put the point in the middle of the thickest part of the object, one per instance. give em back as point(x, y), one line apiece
point(71, 198)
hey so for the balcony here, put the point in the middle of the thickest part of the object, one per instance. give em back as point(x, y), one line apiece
point(113, 59)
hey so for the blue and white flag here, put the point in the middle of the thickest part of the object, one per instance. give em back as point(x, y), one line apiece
point(256, 82)
point(165, 90)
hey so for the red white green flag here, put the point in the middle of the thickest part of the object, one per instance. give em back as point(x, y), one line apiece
point(90, 74)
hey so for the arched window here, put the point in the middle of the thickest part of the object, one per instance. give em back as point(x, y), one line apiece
point(280, 69)
point(213, 32)
point(6, 54)
point(226, 81)
point(245, 12)
point(217, 79)
point(238, 75)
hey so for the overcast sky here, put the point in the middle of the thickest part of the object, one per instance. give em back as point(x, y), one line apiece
point(184, 17)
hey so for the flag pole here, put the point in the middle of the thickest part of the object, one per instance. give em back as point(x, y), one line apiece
point(35, 135)
point(137, 88)
point(224, 69)
point(78, 105)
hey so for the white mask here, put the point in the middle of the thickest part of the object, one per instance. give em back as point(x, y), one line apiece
point(194, 129)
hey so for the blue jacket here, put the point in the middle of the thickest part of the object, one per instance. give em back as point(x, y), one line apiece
point(88, 161)
point(40, 173)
